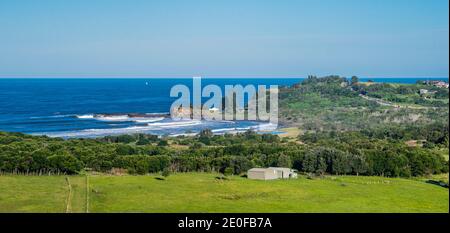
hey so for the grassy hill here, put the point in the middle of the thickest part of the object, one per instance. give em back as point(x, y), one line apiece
point(202, 192)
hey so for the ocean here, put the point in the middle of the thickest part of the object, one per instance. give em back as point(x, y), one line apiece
point(74, 107)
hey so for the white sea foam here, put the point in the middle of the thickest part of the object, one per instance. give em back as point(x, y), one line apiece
point(120, 118)
point(260, 127)
point(113, 118)
point(157, 113)
point(147, 119)
point(223, 130)
point(156, 125)
point(98, 132)
point(183, 134)
point(126, 130)
point(174, 124)
point(221, 121)
point(265, 127)
point(87, 116)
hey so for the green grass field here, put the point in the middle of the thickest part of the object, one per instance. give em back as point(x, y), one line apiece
point(201, 192)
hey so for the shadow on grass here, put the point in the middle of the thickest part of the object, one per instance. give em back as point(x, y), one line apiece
point(439, 183)
point(221, 178)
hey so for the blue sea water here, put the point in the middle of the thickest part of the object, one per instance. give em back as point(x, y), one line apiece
point(65, 107)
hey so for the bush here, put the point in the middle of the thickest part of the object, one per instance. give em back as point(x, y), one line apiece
point(163, 143)
point(228, 171)
point(65, 163)
point(165, 172)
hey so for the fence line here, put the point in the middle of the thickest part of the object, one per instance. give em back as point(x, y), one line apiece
point(69, 197)
point(32, 173)
point(87, 193)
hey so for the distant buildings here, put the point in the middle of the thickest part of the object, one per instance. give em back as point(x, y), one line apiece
point(271, 173)
point(440, 84)
point(436, 83)
point(423, 91)
point(426, 93)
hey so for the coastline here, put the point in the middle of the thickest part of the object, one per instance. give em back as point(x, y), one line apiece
point(140, 108)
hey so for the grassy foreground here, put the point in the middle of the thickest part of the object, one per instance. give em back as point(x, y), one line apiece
point(201, 192)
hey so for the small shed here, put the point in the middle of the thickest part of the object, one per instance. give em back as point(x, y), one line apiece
point(271, 173)
point(284, 172)
point(262, 174)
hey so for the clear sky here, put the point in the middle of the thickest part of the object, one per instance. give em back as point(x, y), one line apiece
point(368, 38)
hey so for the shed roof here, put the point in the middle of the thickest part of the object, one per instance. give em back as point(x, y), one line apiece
point(258, 169)
point(280, 168)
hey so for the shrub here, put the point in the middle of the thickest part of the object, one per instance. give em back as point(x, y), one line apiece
point(228, 171)
point(165, 172)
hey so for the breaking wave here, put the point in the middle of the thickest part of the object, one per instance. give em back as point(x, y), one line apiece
point(147, 120)
point(125, 130)
point(98, 125)
point(175, 124)
point(113, 118)
point(122, 118)
point(160, 128)
point(87, 116)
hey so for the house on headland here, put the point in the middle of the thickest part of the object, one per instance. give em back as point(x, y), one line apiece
point(436, 83)
point(440, 84)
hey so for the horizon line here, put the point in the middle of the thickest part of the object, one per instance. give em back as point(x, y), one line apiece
point(205, 76)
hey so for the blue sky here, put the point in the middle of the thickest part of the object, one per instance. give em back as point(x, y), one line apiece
point(368, 38)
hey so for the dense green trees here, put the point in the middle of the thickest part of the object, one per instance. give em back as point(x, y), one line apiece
point(324, 153)
point(284, 161)
point(359, 154)
point(142, 164)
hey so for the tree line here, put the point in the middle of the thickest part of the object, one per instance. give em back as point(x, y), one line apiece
point(341, 153)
